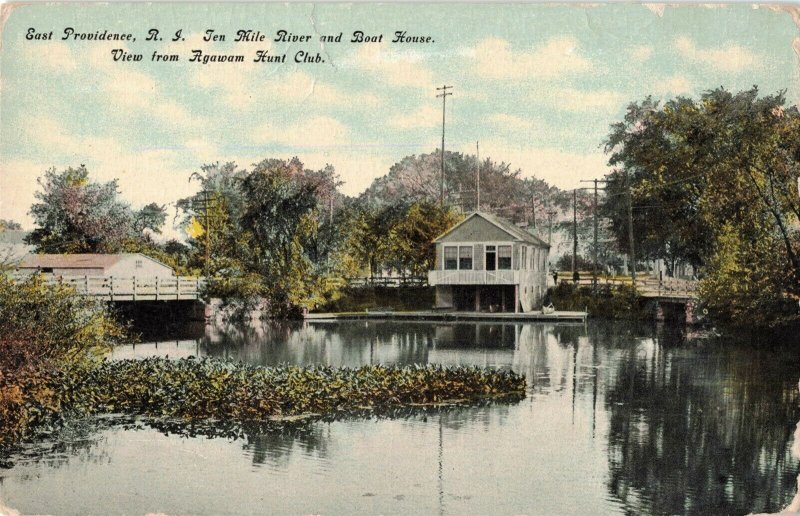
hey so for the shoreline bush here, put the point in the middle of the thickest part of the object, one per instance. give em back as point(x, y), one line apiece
point(621, 302)
point(43, 330)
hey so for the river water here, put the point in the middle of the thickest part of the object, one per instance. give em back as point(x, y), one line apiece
point(618, 419)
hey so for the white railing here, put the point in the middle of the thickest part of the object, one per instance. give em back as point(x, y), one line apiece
point(112, 288)
point(646, 286)
point(389, 281)
point(440, 277)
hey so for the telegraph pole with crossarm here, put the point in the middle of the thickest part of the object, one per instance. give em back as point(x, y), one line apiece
point(444, 93)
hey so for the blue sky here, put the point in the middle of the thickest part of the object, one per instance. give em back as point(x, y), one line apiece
point(537, 85)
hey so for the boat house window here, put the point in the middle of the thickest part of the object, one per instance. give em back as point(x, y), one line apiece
point(504, 257)
point(465, 257)
point(450, 258)
point(491, 257)
point(524, 260)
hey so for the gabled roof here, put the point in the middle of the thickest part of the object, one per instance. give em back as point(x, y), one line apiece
point(516, 232)
point(78, 261)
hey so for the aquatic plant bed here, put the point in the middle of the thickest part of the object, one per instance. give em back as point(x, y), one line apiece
point(194, 389)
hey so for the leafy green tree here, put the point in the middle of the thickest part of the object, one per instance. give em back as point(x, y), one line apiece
point(269, 233)
point(368, 235)
point(411, 237)
point(714, 182)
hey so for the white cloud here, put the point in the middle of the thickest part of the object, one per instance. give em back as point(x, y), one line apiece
point(513, 122)
point(674, 85)
point(732, 58)
point(577, 101)
point(393, 67)
point(244, 85)
point(641, 53)
point(55, 55)
point(136, 92)
point(17, 185)
point(321, 131)
point(424, 117)
point(657, 9)
point(559, 168)
point(558, 57)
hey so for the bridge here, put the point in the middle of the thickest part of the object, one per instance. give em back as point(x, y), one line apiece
point(110, 288)
point(647, 287)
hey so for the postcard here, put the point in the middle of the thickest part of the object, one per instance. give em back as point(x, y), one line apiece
point(399, 258)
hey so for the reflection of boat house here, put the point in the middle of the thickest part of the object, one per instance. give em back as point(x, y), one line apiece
point(485, 263)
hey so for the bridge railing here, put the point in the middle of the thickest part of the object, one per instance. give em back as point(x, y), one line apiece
point(134, 288)
point(647, 286)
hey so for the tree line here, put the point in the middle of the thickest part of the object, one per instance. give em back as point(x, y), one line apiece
point(710, 182)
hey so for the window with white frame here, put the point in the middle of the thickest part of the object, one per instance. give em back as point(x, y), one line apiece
point(465, 257)
point(450, 258)
point(504, 257)
point(524, 260)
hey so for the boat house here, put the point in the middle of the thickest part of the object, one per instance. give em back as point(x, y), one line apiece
point(125, 265)
point(487, 264)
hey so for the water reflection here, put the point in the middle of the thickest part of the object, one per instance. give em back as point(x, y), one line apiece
point(619, 418)
point(702, 429)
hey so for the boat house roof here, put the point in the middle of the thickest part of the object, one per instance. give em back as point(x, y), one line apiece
point(515, 232)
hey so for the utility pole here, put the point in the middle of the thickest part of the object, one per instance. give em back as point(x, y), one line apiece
point(574, 234)
point(478, 179)
point(208, 232)
point(630, 229)
point(594, 268)
point(444, 93)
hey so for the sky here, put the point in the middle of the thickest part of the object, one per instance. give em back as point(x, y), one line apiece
point(536, 85)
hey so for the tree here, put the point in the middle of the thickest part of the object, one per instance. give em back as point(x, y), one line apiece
point(714, 182)
point(266, 233)
point(411, 237)
point(9, 225)
point(76, 215)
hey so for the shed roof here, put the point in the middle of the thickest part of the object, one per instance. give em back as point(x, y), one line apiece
point(78, 261)
point(512, 229)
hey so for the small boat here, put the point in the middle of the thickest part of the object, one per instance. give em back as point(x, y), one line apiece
point(549, 309)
